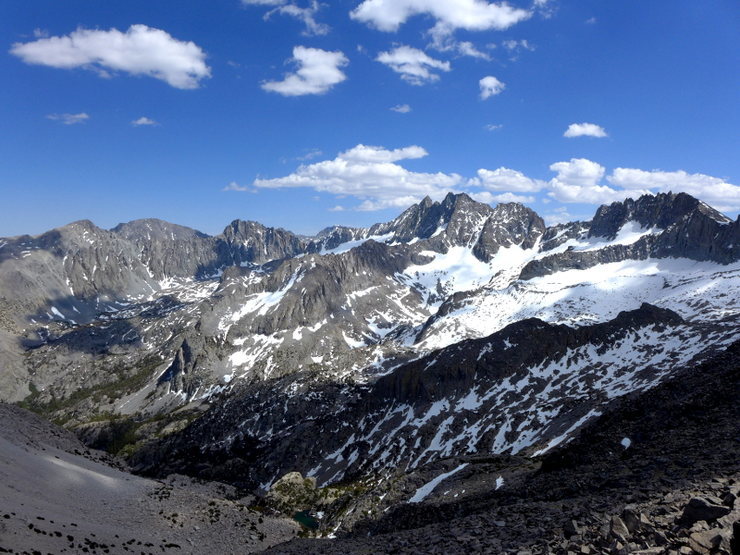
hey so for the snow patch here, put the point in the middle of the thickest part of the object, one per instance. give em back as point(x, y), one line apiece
point(424, 491)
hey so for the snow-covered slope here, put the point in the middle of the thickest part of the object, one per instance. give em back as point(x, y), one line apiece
point(698, 291)
point(526, 388)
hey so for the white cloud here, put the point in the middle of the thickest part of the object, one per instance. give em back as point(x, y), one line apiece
point(505, 179)
point(490, 86)
point(713, 190)
point(234, 186)
point(471, 15)
point(414, 65)
point(306, 15)
point(376, 154)
point(581, 181)
point(579, 171)
point(578, 181)
point(310, 155)
point(318, 71)
point(490, 198)
point(493, 126)
point(518, 45)
point(544, 8)
point(444, 42)
point(141, 50)
point(143, 120)
point(401, 108)
point(370, 174)
point(467, 48)
point(514, 47)
point(559, 216)
point(69, 119)
point(584, 130)
point(396, 202)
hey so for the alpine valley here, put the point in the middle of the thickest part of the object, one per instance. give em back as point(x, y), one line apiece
point(463, 378)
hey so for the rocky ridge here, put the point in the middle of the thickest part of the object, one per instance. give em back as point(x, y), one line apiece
point(530, 384)
point(657, 473)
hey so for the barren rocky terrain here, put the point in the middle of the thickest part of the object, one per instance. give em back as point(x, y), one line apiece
point(60, 497)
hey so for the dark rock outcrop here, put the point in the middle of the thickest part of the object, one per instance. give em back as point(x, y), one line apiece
point(683, 227)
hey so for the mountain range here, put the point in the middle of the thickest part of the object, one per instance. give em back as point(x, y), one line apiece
point(363, 355)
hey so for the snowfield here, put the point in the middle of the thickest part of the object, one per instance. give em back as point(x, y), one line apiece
point(698, 291)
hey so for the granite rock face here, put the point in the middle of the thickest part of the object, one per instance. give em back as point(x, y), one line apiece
point(683, 227)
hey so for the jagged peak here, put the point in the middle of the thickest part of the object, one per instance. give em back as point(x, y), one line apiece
point(514, 208)
point(459, 200)
point(241, 226)
point(144, 225)
point(331, 230)
point(80, 224)
point(660, 210)
point(235, 224)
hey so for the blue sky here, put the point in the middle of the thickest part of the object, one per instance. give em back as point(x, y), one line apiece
point(303, 114)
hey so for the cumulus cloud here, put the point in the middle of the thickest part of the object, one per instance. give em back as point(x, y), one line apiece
point(490, 86)
point(471, 15)
point(376, 178)
point(401, 108)
point(578, 181)
point(143, 120)
point(493, 126)
point(558, 216)
point(582, 181)
point(370, 174)
point(414, 65)
point(584, 130)
point(376, 154)
point(578, 171)
point(505, 179)
point(713, 190)
point(69, 119)
point(317, 72)
point(141, 50)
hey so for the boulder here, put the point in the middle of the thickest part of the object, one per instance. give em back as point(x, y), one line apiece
point(702, 509)
point(618, 529)
point(705, 542)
